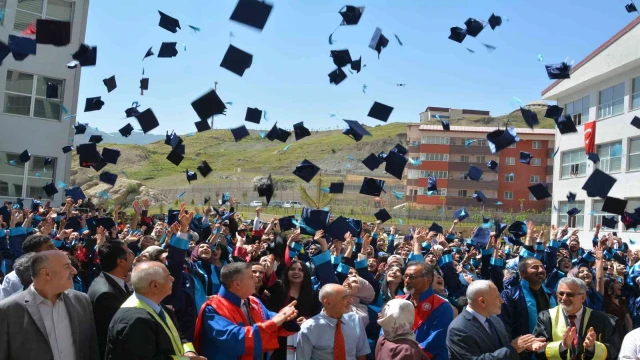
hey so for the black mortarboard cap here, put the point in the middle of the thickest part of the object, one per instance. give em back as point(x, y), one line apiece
point(573, 212)
point(500, 228)
point(480, 196)
point(286, 223)
point(86, 55)
point(52, 91)
point(266, 189)
point(336, 188)
point(501, 139)
point(380, 111)
point(341, 57)
point(445, 125)
point(530, 117)
point(474, 27)
point(132, 111)
point(99, 164)
point(21, 47)
point(88, 154)
point(355, 130)
point(458, 34)
point(5, 51)
point(382, 215)
point(539, 191)
point(208, 105)
point(75, 193)
point(631, 7)
point(314, 219)
point(493, 165)
point(273, 133)
point(96, 139)
point(110, 155)
point(283, 135)
point(553, 112)
point(372, 162)
point(610, 222)
point(372, 187)
point(593, 157)
point(630, 220)
point(461, 214)
point(636, 122)
point(495, 21)
point(48, 161)
point(126, 130)
point(148, 53)
point(566, 125)
point(144, 84)
point(558, 71)
point(518, 229)
point(168, 50)
point(356, 65)
point(175, 157)
point(485, 220)
point(53, 32)
point(110, 83)
point(339, 227)
point(599, 184)
point(50, 189)
point(175, 141)
point(337, 76)
point(400, 149)
point(202, 125)
point(239, 133)
point(93, 104)
point(395, 164)
point(169, 23)
point(432, 184)
point(614, 205)
point(204, 169)
point(236, 60)
point(167, 138)
point(108, 178)
point(191, 176)
point(436, 227)
point(24, 156)
point(253, 115)
point(147, 120)
point(172, 216)
point(300, 131)
point(306, 170)
point(571, 197)
point(525, 157)
point(351, 14)
point(481, 237)
point(67, 149)
point(378, 41)
point(474, 173)
point(252, 12)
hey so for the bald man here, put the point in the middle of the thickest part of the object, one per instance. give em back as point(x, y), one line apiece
point(479, 334)
point(49, 320)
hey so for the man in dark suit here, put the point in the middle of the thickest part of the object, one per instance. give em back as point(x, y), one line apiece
point(109, 290)
point(48, 321)
point(477, 333)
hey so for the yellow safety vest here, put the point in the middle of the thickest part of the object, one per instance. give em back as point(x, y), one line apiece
point(559, 327)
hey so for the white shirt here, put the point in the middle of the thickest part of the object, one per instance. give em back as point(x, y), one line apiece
point(630, 349)
point(10, 285)
point(56, 322)
point(117, 279)
point(315, 341)
point(578, 322)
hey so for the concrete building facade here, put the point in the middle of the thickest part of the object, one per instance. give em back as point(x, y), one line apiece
point(433, 113)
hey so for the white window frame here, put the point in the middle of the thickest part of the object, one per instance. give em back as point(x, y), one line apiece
point(434, 157)
point(579, 117)
point(464, 158)
point(605, 159)
point(26, 173)
point(481, 159)
point(536, 144)
point(34, 96)
point(510, 161)
point(509, 178)
point(536, 162)
point(413, 174)
point(534, 179)
point(439, 192)
point(606, 110)
point(636, 94)
point(438, 174)
point(436, 140)
point(631, 141)
point(576, 221)
point(508, 195)
point(598, 214)
point(574, 168)
point(462, 193)
point(43, 15)
point(512, 146)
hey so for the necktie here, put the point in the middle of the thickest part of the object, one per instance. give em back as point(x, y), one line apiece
point(339, 350)
point(163, 316)
point(126, 289)
point(247, 311)
point(494, 332)
point(572, 323)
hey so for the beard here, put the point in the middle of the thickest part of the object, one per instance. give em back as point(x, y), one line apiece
point(409, 291)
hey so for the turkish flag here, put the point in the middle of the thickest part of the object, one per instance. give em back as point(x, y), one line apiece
point(590, 137)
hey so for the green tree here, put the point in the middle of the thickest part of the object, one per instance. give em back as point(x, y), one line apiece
point(193, 202)
point(321, 198)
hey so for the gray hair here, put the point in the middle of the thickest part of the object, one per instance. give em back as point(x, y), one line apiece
point(327, 291)
point(144, 273)
point(38, 262)
point(478, 288)
point(22, 267)
point(577, 282)
point(231, 272)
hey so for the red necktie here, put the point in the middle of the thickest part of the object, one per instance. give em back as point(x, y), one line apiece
point(572, 323)
point(339, 351)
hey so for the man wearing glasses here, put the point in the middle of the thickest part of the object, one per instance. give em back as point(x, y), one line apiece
point(574, 331)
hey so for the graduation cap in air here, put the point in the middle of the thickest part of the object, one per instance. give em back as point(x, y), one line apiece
point(573, 212)
point(341, 58)
point(204, 169)
point(378, 41)
point(372, 187)
point(110, 155)
point(493, 165)
point(609, 222)
point(24, 157)
point(571, 197)
point(274, 133)
point(445, 125)
point(480, 196)
point(191, 176)
point(432, 184)
point(338, 228)
point(337, 76)
point(97, 139)
point(21, 47)
point(474, 173)
point(336, 188)
point(355, 130)
point(99, 164)
point(518, 229)
point(283, 135)
point(565, 124)
point(48, 161)
point(86, 55)
point(202, 125)
point(253, 115)
point(144, 84)
point(351, 14)
point(50, 189)
point(495, 21)
point(88, 154)
point(481, 237)
point(53, 32)
point(458, 34)
point(148, 53)
point(236, 60)
point(208, 105)
point(380, 111)
point(132, 111)
point(437, 228)
point(286, 223)
point(93, 104)
point(539, 191)
point(126, 130)
point(75, 193)
point(474, 27)
point(614, 205)
point(372, 162)
point(306, 170)
point(530, 117)
point(525, 157)
point(52, 91)
point(175, 141)
point(147, 120)
point(553, 112)
point(599, 184)
point(500, 139)
point(300, 131)
point(110, 83)
point(253, 13)
point(67, 149)
point(400, 150)
point(168, 50)
point(239, 133)
point(631, 7)
point(382, 215)
point(630, 220)
point(108, 178)
point(636, 122)
point(4, 51)
point(460, 214)
point(593, 157)
point(169, 23)
point(395, 164)
point(356, 65)
point(175, 157)
point(266, 189)
point(485, 220)
point(558, 71)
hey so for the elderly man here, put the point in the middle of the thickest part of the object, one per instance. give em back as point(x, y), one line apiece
point(143, 328)
point(479, 333)
point(236, 325)
point(335, 333)
point(48, 320)
point(575, 330)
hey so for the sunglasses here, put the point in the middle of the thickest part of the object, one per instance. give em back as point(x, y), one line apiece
point(567, 294)
point(412, 276)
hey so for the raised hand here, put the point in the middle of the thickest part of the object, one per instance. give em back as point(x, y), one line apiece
point(137, 208)
point(146, 203)
point(590, 340)
point(569, 335)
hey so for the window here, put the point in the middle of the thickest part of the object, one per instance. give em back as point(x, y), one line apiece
point(480, 159)
point(415, 143)
point(510, 161)
point(439, 140)
point(25, 95)
point(434, 157)
point(415, 158)
point(434, 173)
point(508, 195)
point(440, 117)
point(574, 163)
point(536, 145)
point(635, 98)
point(15, 178)
point(610, 157)
point(575, 221)
point(532, 198)
point(611, 101)
point(28, 11)
point(439, 192)
point(634, 154)
point(464, 158)
point(413, 174)
point(536, 162)
point(534, 179)
point(578, 110)
point(509, 178)
point(598, 214)
point(512, 146)
point(462, 193)
point(3, 4)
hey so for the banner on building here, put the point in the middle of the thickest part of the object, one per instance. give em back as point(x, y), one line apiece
point(590, 137)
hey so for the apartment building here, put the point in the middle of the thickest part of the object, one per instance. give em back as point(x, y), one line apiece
point(433, 113)
point(604, 88)
point(28, 120)
point(446, 156)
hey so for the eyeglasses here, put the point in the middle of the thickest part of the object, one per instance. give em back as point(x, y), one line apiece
point(567, 294)
point(412, 276)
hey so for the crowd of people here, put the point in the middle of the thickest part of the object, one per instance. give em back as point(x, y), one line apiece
point(82, 283)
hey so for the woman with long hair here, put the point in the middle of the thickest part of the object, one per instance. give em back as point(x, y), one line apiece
point(204, 268)
point(616, 305)
point(596, 286)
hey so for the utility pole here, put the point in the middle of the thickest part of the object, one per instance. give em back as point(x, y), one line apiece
point(215, 87)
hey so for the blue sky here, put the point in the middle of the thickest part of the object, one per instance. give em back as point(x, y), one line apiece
point(291, 61)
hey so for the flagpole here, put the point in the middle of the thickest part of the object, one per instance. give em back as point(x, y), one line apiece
point(215, 87)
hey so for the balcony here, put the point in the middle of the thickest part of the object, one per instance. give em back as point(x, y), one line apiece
point(412, 182)
point(464, 166)
point(458, 201)
point(471, 150)
point(413, 149)
point(470, 184)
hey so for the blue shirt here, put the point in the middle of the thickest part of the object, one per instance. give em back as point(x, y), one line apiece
point(316, 336)
point(155, 307)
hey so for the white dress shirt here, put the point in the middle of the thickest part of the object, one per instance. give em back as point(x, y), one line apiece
point(56, 322)
point(316, 336)
point(630, 349)
point(117, 279)
point(11, 285)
